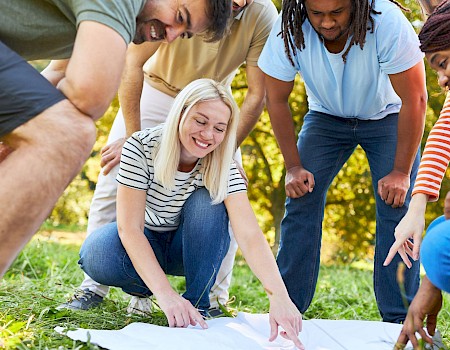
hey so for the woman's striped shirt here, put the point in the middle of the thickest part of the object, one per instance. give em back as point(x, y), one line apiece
point(163, 206)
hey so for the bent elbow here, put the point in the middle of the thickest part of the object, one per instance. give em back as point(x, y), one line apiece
point(88, 97)
point(423, 100)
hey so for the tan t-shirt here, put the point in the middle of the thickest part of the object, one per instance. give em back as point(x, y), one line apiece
point(193, 58)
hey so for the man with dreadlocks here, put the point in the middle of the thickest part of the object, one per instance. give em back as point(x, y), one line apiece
point(435, 250)
point(365, 80)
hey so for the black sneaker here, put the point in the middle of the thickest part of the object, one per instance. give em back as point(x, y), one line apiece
point(213, 313)
point(82, 300)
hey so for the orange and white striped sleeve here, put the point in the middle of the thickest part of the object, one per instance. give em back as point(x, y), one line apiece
point(436, 156)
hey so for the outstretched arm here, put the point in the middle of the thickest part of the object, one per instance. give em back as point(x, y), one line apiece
point(433, 164)
point(257, 253)
point(130, 223)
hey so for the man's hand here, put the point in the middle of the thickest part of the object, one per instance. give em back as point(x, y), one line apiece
point(393, 188)
point(425, 306)
point(55, 71)
point(111, 155)
point(299, 181)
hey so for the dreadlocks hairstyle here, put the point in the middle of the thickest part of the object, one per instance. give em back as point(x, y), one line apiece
point(294, 14)
point(435, 33)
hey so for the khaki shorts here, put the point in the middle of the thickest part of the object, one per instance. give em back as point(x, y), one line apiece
point(24, 93)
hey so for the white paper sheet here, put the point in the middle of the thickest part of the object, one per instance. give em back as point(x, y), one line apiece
point(245, 332)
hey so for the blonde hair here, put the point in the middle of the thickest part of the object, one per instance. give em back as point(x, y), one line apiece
point(216, 164)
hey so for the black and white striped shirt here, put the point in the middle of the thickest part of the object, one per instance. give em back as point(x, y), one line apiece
point(163, 206)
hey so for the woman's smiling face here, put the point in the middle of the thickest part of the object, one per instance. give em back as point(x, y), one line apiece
point(203, 130)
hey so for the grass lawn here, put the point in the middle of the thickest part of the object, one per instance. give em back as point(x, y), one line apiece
point(46, 274)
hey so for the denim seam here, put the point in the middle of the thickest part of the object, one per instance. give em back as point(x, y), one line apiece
point(319, 225)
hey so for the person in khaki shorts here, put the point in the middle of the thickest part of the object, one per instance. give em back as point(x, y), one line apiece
point(154, 74)
point(41, 114)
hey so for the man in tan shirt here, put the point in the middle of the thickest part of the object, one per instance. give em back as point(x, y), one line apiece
point(154, 74)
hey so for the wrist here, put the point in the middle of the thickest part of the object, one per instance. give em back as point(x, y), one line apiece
point(402, 172)
point(276, 293)
point(417, 206)
point(293, 167)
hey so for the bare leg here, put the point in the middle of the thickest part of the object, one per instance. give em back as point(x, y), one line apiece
point(47, 153)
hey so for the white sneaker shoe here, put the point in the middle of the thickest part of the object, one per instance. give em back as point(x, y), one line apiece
point(140, 306)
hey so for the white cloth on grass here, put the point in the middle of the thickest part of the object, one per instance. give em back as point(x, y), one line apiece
point(245, 332)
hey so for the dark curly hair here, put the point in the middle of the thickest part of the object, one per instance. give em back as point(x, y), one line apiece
point(435, 33)
point(294, 14)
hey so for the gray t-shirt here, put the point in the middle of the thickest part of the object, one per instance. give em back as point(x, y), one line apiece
point(46, 29)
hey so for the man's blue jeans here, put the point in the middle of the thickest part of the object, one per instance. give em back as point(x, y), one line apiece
point(195, 250)
point(325, 143)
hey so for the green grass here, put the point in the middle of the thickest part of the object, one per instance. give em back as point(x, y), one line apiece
point(46, 274)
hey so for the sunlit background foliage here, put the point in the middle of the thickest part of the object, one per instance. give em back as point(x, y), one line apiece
point(349, 223)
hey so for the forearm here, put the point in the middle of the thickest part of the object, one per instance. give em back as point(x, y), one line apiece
point(262, 262)
point(130, 92)
point(253, 103)
point(130, 89)
point(144, 260)
point(411, 121)
point(130, 224)
point(251, 110)
point(283, 128)
point(253, 244)
point(418, 205)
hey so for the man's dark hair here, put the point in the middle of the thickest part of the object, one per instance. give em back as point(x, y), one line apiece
point(294, 14)
point(219, 14)
point(435, 33)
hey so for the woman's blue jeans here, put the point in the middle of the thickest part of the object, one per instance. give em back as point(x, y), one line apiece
point(195, 250)
point(325, 143)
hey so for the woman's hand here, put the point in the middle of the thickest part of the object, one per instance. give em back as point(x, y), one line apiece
point(285, 314)
point(179, 311)
point(411, 226)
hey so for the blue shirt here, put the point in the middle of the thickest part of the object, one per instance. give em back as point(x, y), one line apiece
point(435, 253)
point(359, 88)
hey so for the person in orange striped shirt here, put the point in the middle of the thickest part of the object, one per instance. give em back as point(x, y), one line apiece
point(434, 162)
point(435, 250)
